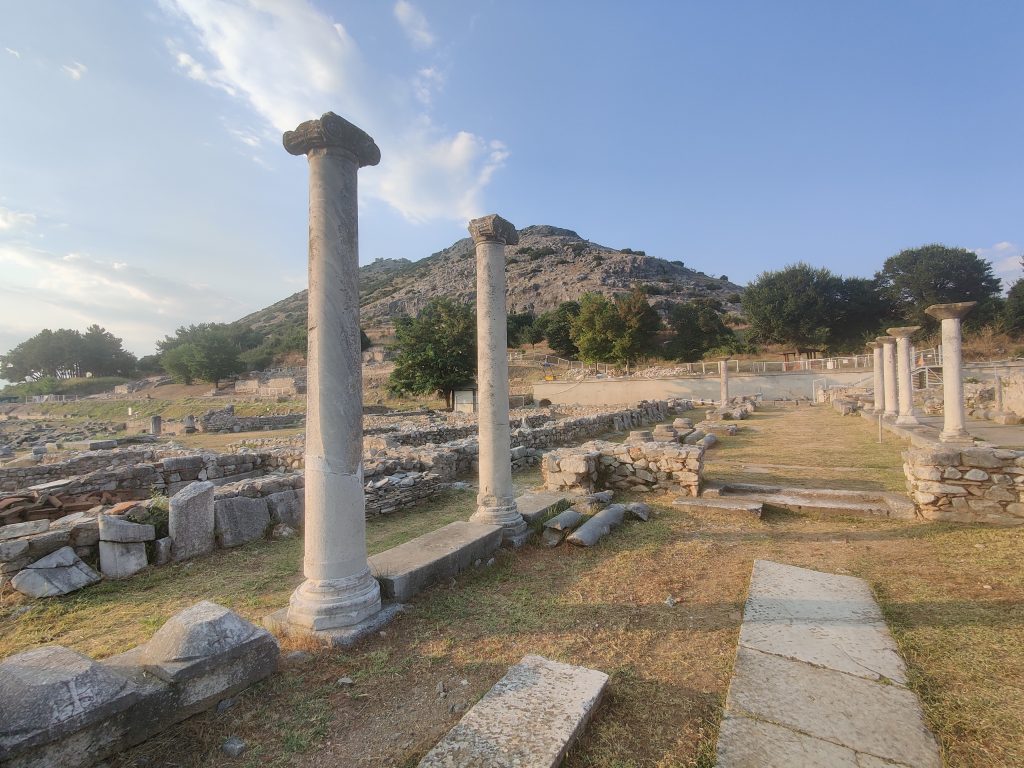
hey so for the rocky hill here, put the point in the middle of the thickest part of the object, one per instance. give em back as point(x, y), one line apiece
point(550, 265)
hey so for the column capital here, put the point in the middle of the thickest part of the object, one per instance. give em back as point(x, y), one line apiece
point(886, 339)
point(493, 229)
point(904, 331)
point(873, 345)
point(332, 132)
point(950, 311)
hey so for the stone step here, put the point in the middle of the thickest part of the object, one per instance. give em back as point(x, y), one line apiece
point(818, 680)
point(823, 501)
point(436, 556)
point(746, 506)
point(537, 506)
point(529, 719)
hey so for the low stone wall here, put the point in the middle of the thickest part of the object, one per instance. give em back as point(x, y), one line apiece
point(16, 478)
point(967, 485)
point(225, 420)
point(627, 466)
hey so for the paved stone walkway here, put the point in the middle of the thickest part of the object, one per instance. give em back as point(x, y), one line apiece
point(818, 680)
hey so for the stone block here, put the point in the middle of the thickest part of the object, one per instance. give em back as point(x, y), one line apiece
point(17, 530)
point(12, 549)
point(85, 533)
point(162, 551)
point(531, 717)
point(191, 521)
point(436, 556)
point(119, 560)
point(744, 506)
point(240, 519)
point(980, 457)
point(45, 543)
point(286, 507)
point(114, 529)
point(536, 506)
point(56, 574)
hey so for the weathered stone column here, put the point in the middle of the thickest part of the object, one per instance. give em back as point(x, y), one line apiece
point(904, 382)
point(889, 374)
point(952, 373)
point(879, 403)
point(339, 591)
point(496, 502)
point(724, 385)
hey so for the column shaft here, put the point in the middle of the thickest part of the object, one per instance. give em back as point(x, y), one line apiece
point(952, 383)
point(724, 385)
point(879, 377)
point(889, 374)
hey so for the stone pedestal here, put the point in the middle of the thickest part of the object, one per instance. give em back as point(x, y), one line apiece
point(889, 374)
point(952, 372)
point(904, 382)
point(723, 387)
point(339, 592)
point(155, 425)
point(878, 406)
point(496, 502)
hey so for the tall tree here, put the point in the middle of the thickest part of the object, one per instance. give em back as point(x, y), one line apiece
point(696, 329)
point(597, 328)
point(212, 351)
point(436, 350)
point(640, 327)
point(916, 278)
point(67, 353)
point(556, 326)
point(794, 305)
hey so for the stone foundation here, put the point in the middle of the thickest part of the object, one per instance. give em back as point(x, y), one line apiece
point(625, 466)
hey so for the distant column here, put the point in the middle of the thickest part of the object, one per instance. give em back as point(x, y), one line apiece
point(889, 374)
point(904, 381)
point(952, 372)
point(724, 385)
point(997, 392)
point(496, 501)
point(338, 591)
point(879, 403)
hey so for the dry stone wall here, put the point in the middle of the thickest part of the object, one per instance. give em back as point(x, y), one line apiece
point(627, 466)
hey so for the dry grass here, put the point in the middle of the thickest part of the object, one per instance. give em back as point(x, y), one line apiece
point(604, 608)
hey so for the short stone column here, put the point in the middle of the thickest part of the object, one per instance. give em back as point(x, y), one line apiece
point(904, 381)
point(496, 501)
point(339, 592)
point(889, 374)
point(724, 383)
point(155, 425)
point(879, 378)
point(952, 372)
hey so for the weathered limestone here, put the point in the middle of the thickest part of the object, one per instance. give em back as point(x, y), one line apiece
point(56, 574)
point(904, 384)
point(191, 521)
point(433, 557)
point(723, 394)
point(889, 375)
point(598, 526)
point(818, 680)
point(121, 559)
point(531, 717)
point(878, 406)
point(744, 506)
point(240, 519)
point(534, 506)
point(339, 590)
point(637, 466)
point(496, 503)
point(952, 373)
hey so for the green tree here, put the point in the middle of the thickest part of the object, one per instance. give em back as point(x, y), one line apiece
point(556, 326)
point(520, 328)
point(102, 353)
point(696, 328)
point(213, 351)
point(862, 313)
point(795, 305)
point(67, 353)
point(436, 350)
point(597, 328)
point(178, 362)
point(916, 278)
point(364, 341)
point(640, 327)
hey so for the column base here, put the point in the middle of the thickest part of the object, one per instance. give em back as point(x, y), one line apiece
point(515, 530)
point(341, 637)
point(960, 437)
point(334, 603)
point(889, 415)
point(907, 420)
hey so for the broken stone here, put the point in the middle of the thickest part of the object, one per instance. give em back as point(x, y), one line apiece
point(114, 529)
point(565, 521)
point(639, 510)
point(56, 574)
point(119, 560)
point(191, 521)
point(240, 519)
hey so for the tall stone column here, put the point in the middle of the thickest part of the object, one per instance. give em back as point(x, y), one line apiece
point(904, 382)
point(496, 502)
point(339, 591)
point(889, 374)
point(952, 373)
point(879, 378)
point(724, 384)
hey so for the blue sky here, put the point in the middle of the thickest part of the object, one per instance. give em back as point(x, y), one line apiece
point(143, 184)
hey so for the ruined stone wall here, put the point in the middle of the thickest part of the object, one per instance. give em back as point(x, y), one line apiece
point(626, 466)
point(16, 478)
point(225, 420)
point(966, 485)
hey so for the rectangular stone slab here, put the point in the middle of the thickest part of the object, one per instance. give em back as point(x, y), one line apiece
point(754, 508)
point(530, 718)
point(537, 506)
point(410, 567)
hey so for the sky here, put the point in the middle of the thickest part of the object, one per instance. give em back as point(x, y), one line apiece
point(143, 184)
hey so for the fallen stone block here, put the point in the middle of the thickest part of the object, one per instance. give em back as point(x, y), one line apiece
point(565, 521)
point(439, 555)
point(240, 519)
point(114, 529)
point(119, 560)
point(536, 506)
point(639, 510)
point(56, 574)
point(598, 526)
point(17, 530)
point(191, 521)
point(531, 717)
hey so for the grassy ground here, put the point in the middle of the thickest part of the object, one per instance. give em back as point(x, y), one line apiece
point(953, 596)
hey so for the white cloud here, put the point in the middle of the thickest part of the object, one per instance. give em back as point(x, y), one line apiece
point(290, 63)
point(75, 70)
point(414, 24)
point(1005, 258)
point(10, 220)
point(13, 52)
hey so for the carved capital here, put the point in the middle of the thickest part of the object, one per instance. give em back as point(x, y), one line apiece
point(331, 131)
point(493, 229)
point(886, 340)
point(951, 311)
point(904, 331)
